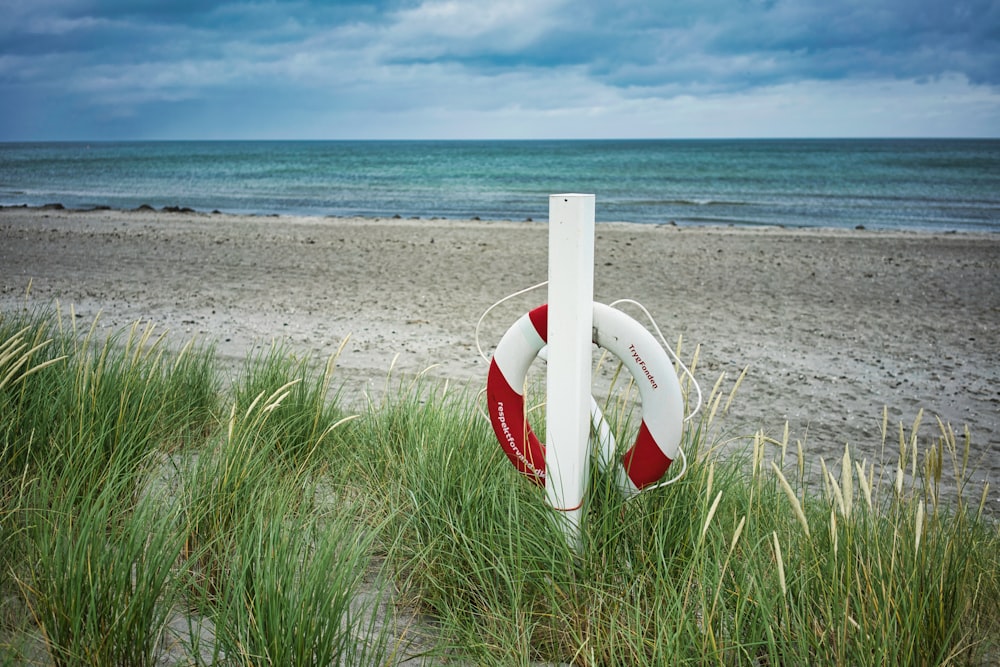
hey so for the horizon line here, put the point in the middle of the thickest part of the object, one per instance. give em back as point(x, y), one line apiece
point(498, 140)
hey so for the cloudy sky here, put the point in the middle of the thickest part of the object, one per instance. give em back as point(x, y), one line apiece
point(305, 69)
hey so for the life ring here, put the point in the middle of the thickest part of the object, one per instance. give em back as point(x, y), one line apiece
point(658, 440)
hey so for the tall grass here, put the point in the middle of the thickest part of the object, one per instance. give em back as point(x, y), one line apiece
point(96, 402)
point(130, 499)
point(308, 396)
point(737, 562)
point(97, 575)
point(150, 516)
point(246, 467)
point(287, 596)
point(464, 535)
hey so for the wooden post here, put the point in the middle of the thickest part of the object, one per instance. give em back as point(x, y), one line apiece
point(568, 381)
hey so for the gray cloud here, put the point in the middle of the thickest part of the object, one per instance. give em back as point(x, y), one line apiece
point(92, 63)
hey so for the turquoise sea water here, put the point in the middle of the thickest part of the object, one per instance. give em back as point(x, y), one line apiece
point(927, 184)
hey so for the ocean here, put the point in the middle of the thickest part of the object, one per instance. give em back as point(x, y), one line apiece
point(918, 184)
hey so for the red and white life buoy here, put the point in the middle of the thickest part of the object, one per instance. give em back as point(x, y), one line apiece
point(659, 436)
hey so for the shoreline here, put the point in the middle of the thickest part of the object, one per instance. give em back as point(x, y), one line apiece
point(424, 220)
point(832, 323)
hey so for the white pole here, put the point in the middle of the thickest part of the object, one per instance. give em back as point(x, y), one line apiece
point(571, 296)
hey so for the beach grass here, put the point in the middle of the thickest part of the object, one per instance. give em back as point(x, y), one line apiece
point(153, 513)
point(141, 519)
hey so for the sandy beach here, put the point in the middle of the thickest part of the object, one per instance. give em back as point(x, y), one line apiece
point(833, 325)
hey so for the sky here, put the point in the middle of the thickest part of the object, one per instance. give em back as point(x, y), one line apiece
point(497, 69)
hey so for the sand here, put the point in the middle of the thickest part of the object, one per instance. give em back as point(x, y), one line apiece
point(833, 325)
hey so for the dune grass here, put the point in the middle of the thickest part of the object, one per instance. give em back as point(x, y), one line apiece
point(151, 516)
point(144, 523)
point(732, 564)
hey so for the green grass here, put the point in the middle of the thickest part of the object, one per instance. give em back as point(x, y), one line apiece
point(151, 516)
point(138, 498)
point(96, 577)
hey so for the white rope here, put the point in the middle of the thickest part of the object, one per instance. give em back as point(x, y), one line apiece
point(487, 312)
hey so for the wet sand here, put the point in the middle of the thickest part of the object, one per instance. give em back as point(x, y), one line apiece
point(833, 325)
